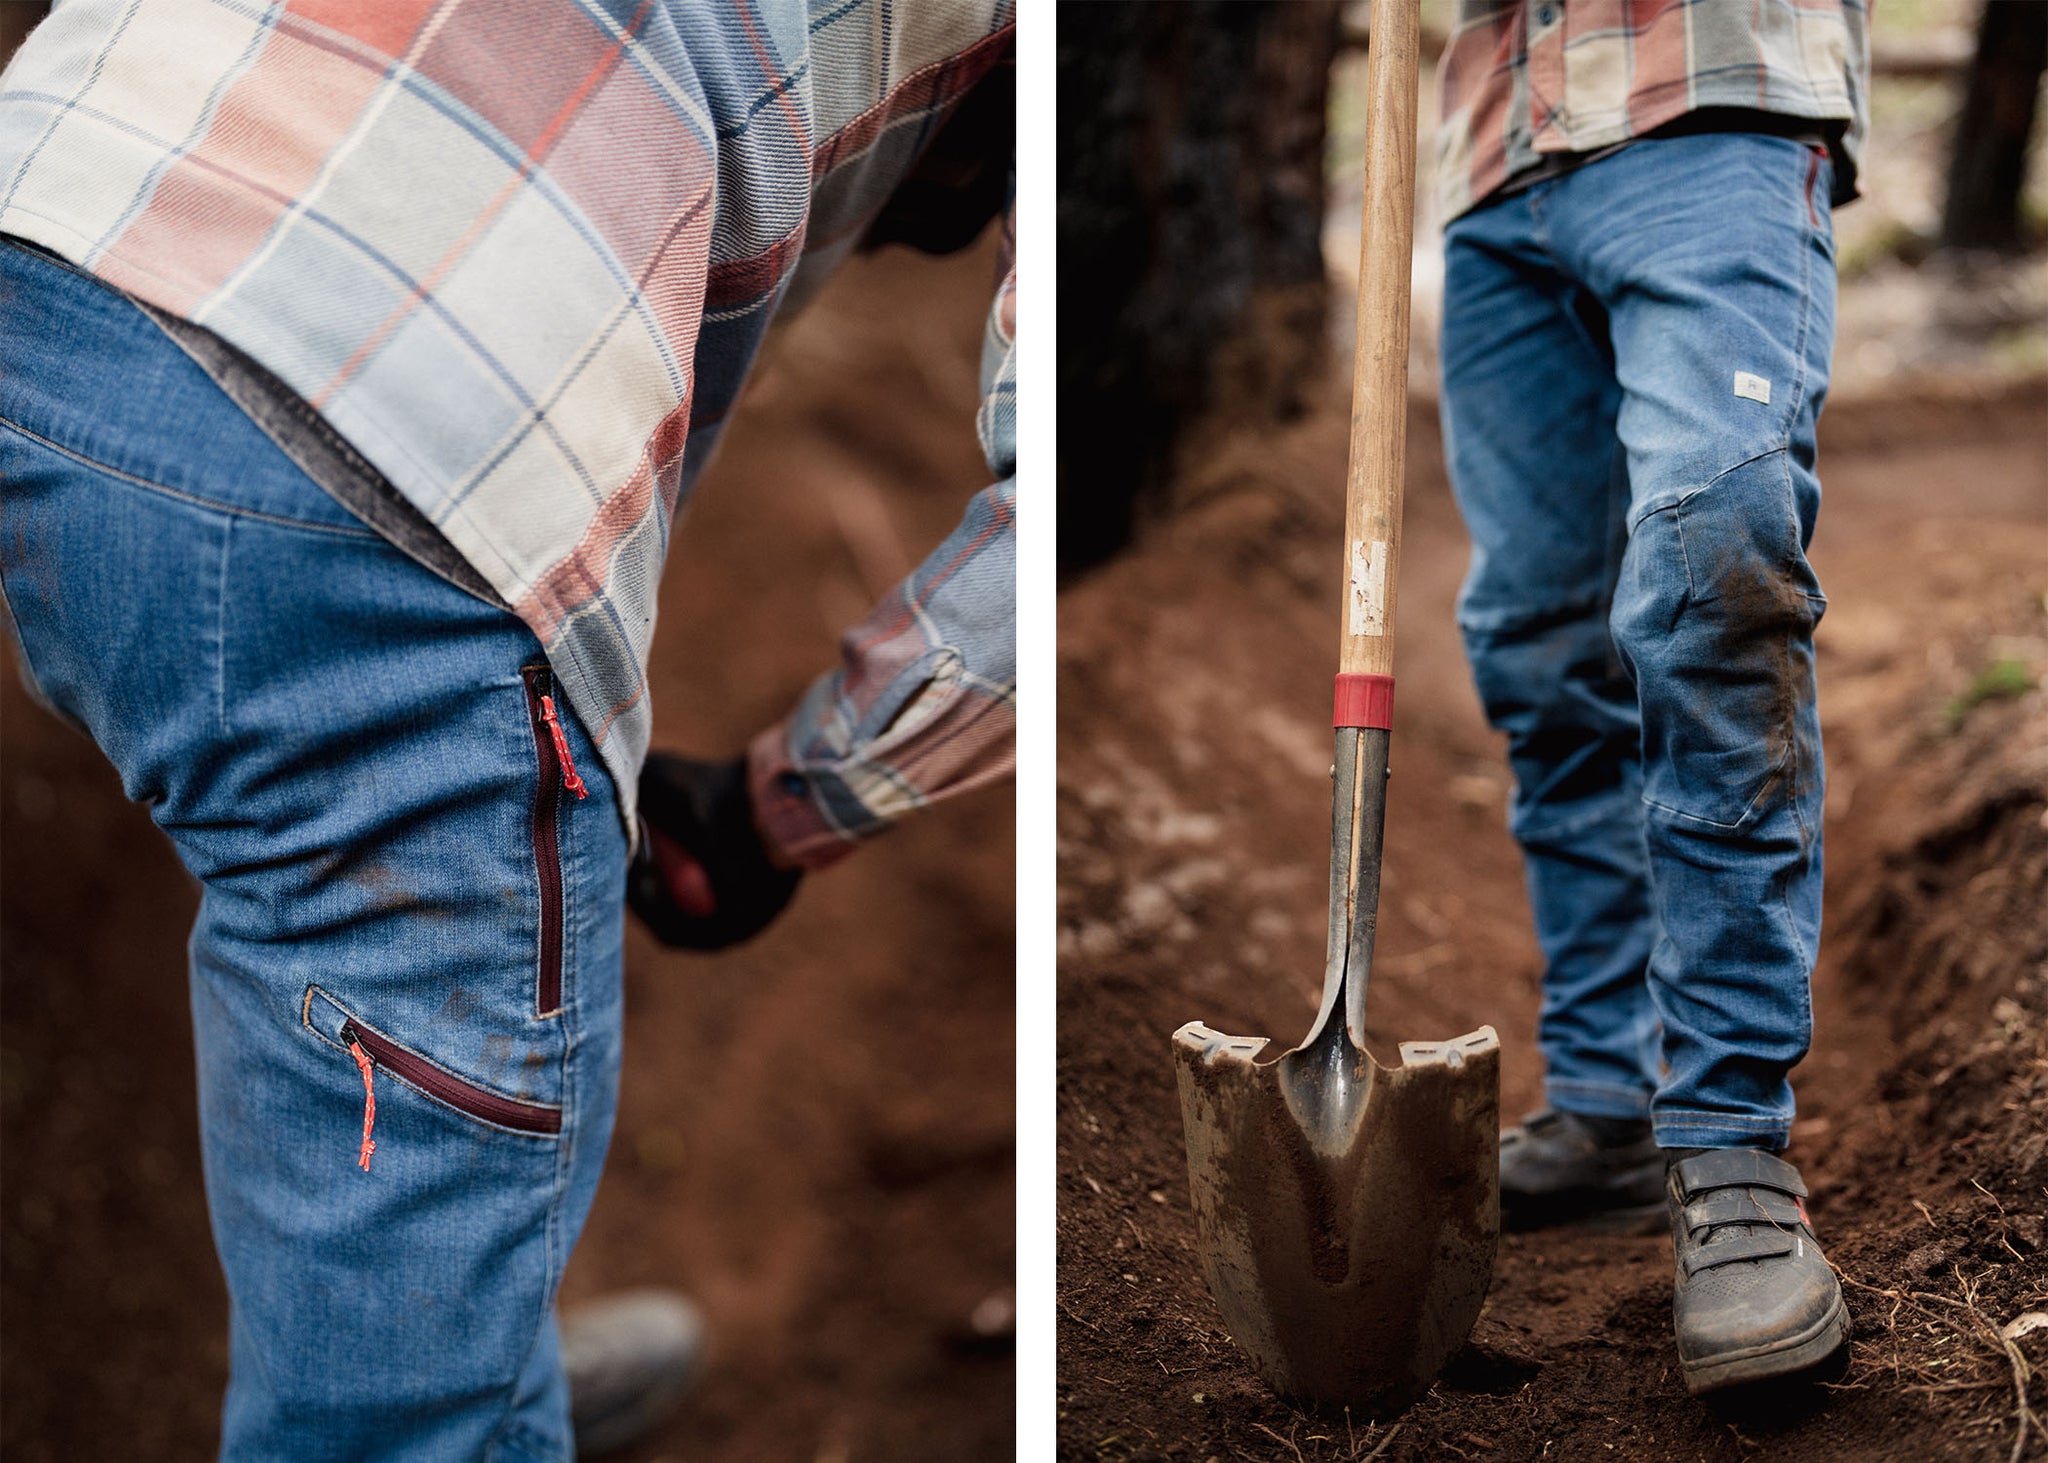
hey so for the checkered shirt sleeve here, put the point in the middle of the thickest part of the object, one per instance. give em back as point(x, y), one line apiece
point(924, 702)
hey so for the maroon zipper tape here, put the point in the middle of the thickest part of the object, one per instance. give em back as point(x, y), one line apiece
point(547, 851)
point(467, 1097)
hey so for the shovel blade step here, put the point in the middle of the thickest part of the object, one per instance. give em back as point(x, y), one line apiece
point(1349, 1271)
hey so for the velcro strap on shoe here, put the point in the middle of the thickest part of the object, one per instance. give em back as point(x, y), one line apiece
point(1727, 1168)
point(1743, 1206)
point(1760, 1243)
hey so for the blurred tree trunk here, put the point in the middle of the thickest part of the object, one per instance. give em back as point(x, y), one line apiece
point(1989, 162)
point(1190, 160)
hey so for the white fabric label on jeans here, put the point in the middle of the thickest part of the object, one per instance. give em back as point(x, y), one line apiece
point(1368, 587)
point(1756, 388)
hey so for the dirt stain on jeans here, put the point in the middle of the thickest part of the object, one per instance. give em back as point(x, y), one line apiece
point(1763, 620)
point(458, 1008)
point(389, 891)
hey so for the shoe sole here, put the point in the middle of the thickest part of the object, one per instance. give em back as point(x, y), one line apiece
point(1781, 1358)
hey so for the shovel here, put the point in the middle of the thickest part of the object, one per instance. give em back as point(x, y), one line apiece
point(1348, 1211)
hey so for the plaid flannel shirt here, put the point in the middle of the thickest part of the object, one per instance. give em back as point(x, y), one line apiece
point(521, 255)
point(1522, 79)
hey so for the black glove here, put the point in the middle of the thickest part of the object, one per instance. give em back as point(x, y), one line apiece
point(702, 879)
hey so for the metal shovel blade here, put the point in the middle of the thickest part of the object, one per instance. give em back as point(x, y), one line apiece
point(1347, 1211)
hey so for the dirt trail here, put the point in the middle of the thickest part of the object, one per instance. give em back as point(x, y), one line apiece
point(1194, 679)
point(815, 1133)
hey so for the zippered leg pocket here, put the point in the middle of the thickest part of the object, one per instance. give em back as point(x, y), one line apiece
point(555, 774)
point(377, 1055)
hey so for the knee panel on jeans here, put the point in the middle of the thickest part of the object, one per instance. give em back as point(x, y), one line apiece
point(1715, 617)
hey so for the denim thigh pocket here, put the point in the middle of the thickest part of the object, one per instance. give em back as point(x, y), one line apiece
point(376, 1051)
point(1716, 616)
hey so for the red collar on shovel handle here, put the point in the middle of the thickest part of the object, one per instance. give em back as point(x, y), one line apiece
point(1348, 1211)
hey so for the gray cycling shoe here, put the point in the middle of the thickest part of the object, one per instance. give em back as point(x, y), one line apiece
point(630, 1358)
point(1595, 1173)
point(1755, 1297)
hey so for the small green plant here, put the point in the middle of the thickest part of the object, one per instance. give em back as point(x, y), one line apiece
point(1998, 681)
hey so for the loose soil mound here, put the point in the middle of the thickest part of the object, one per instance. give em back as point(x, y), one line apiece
point(1192, 816)
point(815, 1134)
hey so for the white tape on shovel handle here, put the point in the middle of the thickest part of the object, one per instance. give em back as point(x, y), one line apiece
point(1368, 587)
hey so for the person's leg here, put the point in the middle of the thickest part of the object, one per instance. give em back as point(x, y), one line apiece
point(400, 900)
point(1714, 259)
point(1529, 401)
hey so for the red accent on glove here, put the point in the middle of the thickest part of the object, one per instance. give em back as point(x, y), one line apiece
point(682, 875)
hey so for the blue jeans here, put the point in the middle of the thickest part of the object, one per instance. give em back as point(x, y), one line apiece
point(1634, 358)
point(399, 894)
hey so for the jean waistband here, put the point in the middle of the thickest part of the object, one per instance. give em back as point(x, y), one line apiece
point(84, 368)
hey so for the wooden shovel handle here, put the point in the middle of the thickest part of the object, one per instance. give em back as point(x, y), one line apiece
point(1379, 389)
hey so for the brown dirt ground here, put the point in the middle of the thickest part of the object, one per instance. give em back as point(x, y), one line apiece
point(1193, 809)
point(839, 1204)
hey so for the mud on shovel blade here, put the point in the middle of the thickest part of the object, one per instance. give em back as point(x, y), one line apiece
point(1347, 1212)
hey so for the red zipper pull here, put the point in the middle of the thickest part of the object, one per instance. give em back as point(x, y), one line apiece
point(569, 778)
point(355, 1049)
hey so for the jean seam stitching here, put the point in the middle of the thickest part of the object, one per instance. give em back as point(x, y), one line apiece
point(565, 852)
point(1731, 1121)
point(220, 629)
point(1793, 779)
point(1678, 525)
point(566, 845)
point(565, 1157)
point(180, 495)
point(1749, 808)
point(1811, 229)
point(1679, 500)
point(1792, 926)
point(1539, 227)
point(563, 1023)
point(1807, 232)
